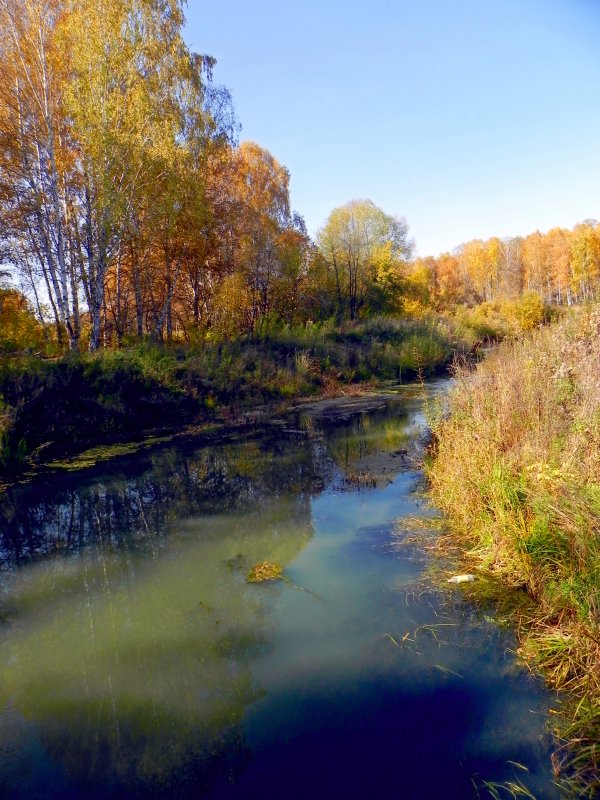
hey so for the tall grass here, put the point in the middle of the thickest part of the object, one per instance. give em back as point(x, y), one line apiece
point(516, 467)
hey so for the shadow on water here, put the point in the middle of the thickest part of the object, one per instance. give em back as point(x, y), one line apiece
point(136, 660)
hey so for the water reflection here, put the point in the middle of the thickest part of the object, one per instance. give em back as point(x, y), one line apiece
point(133, 505)
point(136, 661)
point(130, 632)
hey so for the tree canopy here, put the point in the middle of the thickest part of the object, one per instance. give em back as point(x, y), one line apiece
point(365, 250)
point(129, 209)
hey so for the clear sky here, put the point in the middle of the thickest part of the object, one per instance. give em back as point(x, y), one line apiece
point(471, 118)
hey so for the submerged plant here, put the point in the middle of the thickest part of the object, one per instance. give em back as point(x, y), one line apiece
point(265, 571)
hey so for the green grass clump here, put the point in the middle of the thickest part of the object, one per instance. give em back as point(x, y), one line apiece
point(516, 467)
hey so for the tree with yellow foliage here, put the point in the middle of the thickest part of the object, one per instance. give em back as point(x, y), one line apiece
point(258, 259)
point(365, 249)
point(585, 260)
point(34, 157)
point(19, 329)
point(106, 119)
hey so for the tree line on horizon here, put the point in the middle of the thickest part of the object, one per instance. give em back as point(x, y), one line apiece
point(128, 208)
point(562, 266)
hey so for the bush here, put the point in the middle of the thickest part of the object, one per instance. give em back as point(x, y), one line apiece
point(19, 329)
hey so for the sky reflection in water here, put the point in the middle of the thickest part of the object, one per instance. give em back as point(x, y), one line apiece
point(137, 662)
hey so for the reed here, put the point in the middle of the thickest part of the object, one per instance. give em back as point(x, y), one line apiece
point(515, 465)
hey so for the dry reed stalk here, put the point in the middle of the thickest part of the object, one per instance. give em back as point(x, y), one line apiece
point(516, 468)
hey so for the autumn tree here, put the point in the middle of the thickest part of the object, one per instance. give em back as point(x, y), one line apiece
point(105, 122)
point(259, 259)
point(585, 259)
point(511, 267)
point(558, 265)
point(420, 286)
point(535, 263)
point(35, 167)
point(135, 100)
point(365, 249)
point(19, 328)
point(448, 285)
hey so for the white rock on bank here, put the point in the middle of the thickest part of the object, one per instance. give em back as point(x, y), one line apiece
point(462, 579)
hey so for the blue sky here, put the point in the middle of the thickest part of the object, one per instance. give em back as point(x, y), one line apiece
point(471, 118)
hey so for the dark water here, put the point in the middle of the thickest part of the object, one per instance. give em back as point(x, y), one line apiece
point(136, 661)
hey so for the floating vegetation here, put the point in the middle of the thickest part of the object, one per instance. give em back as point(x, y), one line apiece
point(237, 563)
point(363, 479)
point(509, 789)
point(96, 455)
point(265, 571)
point(409, 524)
point(420, 538)
point(447, 671)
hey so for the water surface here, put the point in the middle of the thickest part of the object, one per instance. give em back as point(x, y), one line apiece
point(136, 661)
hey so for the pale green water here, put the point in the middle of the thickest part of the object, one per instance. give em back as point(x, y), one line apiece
point(136, 661)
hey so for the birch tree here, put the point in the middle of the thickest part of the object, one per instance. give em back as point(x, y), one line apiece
point(131, 77)
point(106, 118)
point(34, 160)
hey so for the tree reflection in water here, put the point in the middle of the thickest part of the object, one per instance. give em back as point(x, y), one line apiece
point(129, 629)
point(129, 635)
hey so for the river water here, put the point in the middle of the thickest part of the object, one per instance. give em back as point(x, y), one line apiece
point(137, 661)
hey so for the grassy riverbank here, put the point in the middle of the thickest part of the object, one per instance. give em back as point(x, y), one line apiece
point(51, 409)
point(516, 467)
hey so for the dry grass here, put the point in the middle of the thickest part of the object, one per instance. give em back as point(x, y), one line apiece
point(516, 467)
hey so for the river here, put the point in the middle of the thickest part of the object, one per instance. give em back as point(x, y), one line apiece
point(137, 661)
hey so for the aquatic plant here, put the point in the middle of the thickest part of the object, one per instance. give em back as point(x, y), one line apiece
point(265, 571)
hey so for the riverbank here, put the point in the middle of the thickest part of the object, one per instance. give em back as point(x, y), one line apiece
point(516, 468)
point(56, 409)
